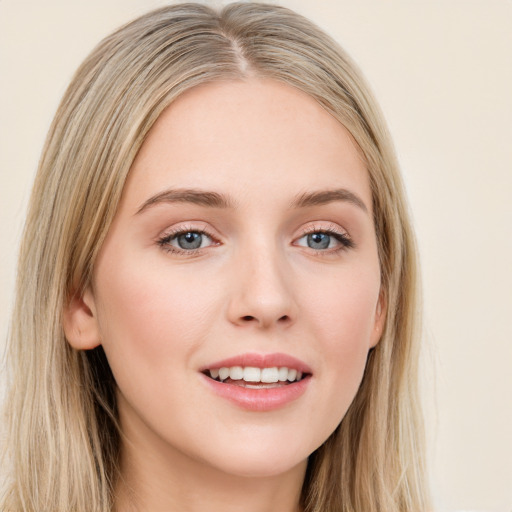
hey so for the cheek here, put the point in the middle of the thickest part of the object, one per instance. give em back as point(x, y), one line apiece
point(342, 307)
point(149, 315)
point(343, 318)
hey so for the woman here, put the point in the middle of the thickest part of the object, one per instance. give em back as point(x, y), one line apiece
point(217, 299)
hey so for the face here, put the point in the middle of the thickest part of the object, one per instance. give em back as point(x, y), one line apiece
point(238, 291)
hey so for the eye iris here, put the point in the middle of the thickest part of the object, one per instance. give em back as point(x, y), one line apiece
point(319, 241)
point(190, 240)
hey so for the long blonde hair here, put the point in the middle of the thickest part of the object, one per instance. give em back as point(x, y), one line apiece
point(63, 438)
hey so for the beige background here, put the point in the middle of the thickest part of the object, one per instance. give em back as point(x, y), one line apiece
point(442, 71)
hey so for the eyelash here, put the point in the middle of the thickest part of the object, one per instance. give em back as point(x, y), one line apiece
point(343, 238)
point(164, 241)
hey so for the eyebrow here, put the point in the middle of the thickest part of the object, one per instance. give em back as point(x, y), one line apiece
point(187, 195)
point(322, 197)
point(216, 200)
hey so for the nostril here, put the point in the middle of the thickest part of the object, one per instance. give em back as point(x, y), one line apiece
point(285, 319)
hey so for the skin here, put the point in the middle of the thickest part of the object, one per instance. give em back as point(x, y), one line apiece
point(162, 312)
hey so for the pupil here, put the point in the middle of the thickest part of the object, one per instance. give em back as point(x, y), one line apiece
point(190, 240)
point(319, 241)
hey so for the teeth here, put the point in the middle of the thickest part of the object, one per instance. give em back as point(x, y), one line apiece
point(292, 374)
point(252, 374)
point(236, 373)
point(283, 374)
point(223, 373)
point(269, 375)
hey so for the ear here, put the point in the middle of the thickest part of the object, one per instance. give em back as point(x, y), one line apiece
point(80, 322)
point(380, 320)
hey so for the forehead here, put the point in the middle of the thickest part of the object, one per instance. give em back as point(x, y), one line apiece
point(253, 139)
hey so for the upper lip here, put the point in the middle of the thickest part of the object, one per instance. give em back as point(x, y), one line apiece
point(255, 360)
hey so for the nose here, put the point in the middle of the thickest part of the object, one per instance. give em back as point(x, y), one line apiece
point(262, 293)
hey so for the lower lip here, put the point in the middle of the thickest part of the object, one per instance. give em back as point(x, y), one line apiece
point(264, 399)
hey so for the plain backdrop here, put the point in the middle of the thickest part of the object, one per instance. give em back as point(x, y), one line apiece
point(442, 71)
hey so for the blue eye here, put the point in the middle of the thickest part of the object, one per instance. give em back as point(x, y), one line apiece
point(190, 240)
point(186, 241)
point(325, 240)
point(318, 240)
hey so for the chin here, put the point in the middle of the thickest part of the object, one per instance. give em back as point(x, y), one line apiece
point(262, 467)
point(257, 457)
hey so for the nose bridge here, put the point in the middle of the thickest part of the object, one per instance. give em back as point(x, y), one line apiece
point(262, 293)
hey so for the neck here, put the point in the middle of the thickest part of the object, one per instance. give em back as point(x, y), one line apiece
point(160, 478)
point(192, 487)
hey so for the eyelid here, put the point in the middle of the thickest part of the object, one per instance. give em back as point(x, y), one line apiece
point(171, 233)
point(335, 230)
point(328, 227)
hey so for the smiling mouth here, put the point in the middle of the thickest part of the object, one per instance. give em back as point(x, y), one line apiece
point(256, 378)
